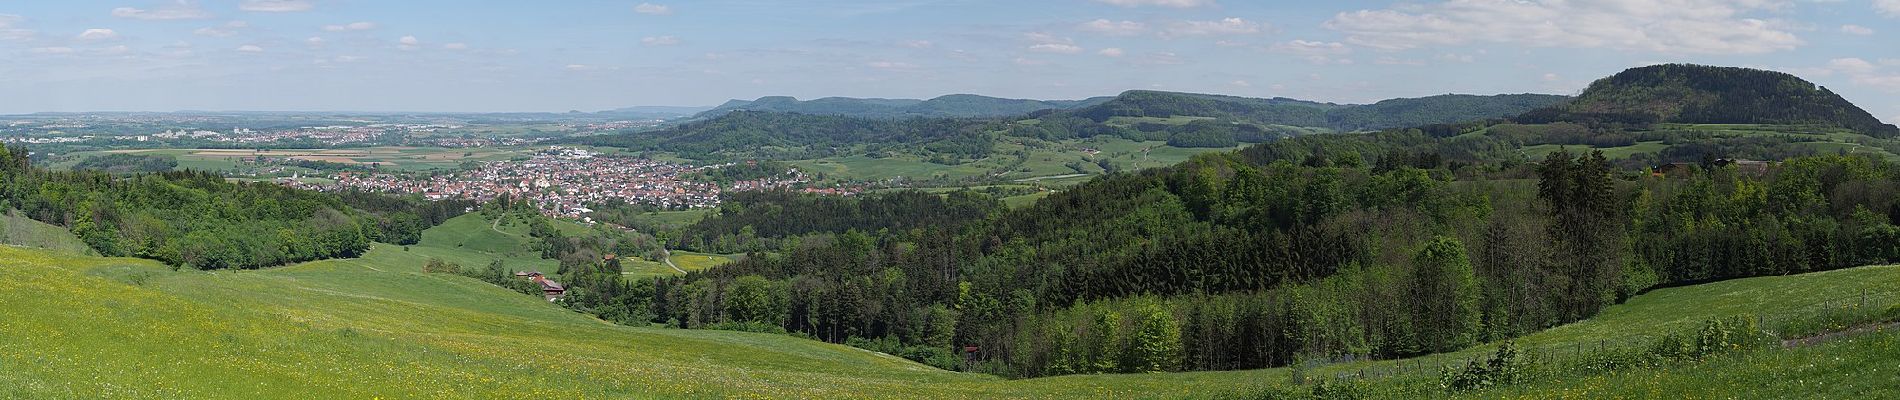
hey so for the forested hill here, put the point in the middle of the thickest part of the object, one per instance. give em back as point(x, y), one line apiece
point(791, 129)
point(790, 135)
point(956, 105)
point(1441, 109)
point(1388, 114)
point(1702, 94)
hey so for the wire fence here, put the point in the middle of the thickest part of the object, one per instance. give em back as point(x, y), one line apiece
point(1789, 324)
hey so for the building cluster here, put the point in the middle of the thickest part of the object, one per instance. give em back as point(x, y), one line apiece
point(567, 182)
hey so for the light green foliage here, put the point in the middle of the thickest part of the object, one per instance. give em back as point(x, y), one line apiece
point(1445, 297)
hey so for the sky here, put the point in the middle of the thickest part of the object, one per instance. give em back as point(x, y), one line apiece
point(480, 56)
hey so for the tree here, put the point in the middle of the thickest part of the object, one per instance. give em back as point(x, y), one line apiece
point(1157, 340)
point(1445, 296)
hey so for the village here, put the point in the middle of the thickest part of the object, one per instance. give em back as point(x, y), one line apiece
point(565, 182)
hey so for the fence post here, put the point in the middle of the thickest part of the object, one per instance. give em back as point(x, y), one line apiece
point(1863, 298)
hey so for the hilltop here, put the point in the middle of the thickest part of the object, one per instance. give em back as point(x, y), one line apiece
point(1700, 94)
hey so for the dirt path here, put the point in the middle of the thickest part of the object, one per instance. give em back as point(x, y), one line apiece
point(1826, 337)
point(667, 256)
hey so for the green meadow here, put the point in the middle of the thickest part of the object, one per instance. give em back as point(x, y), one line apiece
point(378, 327)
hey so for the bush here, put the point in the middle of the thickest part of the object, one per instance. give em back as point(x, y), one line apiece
point(1505, 367)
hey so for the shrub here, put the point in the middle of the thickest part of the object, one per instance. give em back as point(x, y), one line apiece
point(1505, 367)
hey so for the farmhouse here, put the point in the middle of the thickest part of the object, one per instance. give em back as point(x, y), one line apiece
point(549, 288)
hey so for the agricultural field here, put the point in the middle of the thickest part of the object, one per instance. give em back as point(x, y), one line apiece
point(691, 261)
point(1012, 158)
point(1821, 140)
point(378, 327)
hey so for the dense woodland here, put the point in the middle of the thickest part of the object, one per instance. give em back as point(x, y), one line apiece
point(1706, 94)
point(1382, 245)
point(761, 220)
point(200, 220)
point(128, 163)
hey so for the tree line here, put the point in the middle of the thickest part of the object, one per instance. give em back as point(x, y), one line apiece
point(200, 220)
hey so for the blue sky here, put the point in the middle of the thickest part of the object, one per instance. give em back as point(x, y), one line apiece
point(364, 55)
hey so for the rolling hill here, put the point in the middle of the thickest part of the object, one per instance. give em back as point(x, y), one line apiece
point(377, 327)
point(1700, 94)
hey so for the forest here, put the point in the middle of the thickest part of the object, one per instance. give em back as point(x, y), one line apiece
point(199, 220)
point(1378, 245)
point(128, 163)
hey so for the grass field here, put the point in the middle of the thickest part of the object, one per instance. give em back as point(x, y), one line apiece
point(18, 230)
point(691, 261)
point(1012, 158)
point(1826, 140)
point(377, 327)
point(674, 219)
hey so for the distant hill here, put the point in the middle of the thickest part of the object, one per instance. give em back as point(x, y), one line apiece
point(956, 105)
point(962, 125)
point(757, 133)
point(1699, 94)
point(654, 111)
point(1441, 109)
point(1395, 113)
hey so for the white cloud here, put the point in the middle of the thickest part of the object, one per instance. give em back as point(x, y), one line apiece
point(1317, 53)
point(276, 5)
point(660, 40)
point(456, 46)
point(1227, 26)
point(1160, 3)
point(1454, 57)
point(53, 50)
point(1864, 73)
point(1030, 62)
point(98, 34)
point(1162, 58)
point(1398, 61)
point(1890, 8)
point(1303, 47)
point(890, 65)
point(653, 9)
point(580, 67)
point(408, 43)
point(314, 41)
point(1856, 30)
point(1241, 83)
point(1113, 28)
point(8, 32)
point(250, 48)
point(183, 9)
point(1550, 77)
point(1058, 48)
point(919, 44)
point(1111, 52)
point(1663, 26)
point(227, 30)
point(353, 26)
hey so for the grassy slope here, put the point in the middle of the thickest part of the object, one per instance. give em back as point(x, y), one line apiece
point(18, 230)
point(87, 327)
